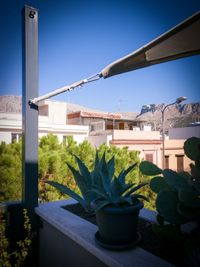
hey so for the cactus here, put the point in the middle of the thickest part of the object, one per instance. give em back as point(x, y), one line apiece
point(166, 203)
point(148, 168)
point(158, 184)
point(192, 148)
point(178, 194)
point(100, 187)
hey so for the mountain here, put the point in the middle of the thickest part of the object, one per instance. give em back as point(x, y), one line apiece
point(175, 116)
point(11, 104)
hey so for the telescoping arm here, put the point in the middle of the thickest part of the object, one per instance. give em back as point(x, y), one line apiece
point(181, 41)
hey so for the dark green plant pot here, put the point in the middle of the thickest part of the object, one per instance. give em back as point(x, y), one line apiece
point(118, 225)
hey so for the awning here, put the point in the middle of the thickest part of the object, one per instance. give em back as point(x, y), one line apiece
point(181, 41)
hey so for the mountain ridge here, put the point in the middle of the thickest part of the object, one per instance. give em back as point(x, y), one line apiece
point(175, 115)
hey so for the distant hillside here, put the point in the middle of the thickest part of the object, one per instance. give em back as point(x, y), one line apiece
point(11, 103)
point(175, 116)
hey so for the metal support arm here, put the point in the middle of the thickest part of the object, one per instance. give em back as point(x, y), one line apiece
point(64, 89)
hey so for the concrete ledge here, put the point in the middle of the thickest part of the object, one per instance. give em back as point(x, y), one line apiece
point(82, 232)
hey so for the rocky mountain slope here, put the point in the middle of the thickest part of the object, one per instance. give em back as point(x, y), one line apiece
point(13, 104)
point(175, 116)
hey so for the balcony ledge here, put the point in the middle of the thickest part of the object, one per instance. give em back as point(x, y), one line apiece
point(82, 233)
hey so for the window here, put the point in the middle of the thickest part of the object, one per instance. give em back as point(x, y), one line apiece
point(167, 162)
point(149, 157)
point(109, 127)
point(67, 139)
point(15, 137)
point(64, 139)
point(180, 165)
point(121, 126)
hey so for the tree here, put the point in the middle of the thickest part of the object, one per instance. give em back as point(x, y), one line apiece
point(10, 171)
point(53, 160)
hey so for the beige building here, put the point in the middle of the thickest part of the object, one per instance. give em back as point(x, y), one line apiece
point(149, 144)
point(101, 121)
point(175, 158)
point(101, 127)
point(112, 128)
point(52, 119)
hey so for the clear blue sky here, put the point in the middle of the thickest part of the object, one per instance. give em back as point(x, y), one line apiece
point(79, 38)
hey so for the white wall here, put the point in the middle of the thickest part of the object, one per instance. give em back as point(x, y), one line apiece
point(5, 137)
point(57, 112)
point(55, 123)
point(97, 140)
point(134, 135)
point(184, 133)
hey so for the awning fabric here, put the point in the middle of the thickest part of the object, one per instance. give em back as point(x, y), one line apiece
point(181, 41)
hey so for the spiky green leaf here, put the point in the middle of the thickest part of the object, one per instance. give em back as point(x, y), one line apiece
point(99, 193)
point(123, 174)
point(138, 196)
point(66, 190)
point(101, 205)
point(104, 173)
point(84, 171)
point(81, 181)
point(135, 189)
point(111, 167)
point(116, 187)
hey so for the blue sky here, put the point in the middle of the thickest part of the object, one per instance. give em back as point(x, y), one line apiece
point(79, 38)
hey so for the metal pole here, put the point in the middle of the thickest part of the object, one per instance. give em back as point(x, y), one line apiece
point(30, 115)
point(163, 130)
point(163, 140)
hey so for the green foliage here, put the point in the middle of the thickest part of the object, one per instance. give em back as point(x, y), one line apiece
point(192, 149)
point(53, 159)
point(10, 171)
point(178, 194)
point(101, 187)
point(148, 168)
point(112, 189)
point(158, 184)
point(15, 258)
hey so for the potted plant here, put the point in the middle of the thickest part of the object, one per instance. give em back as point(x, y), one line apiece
point(115, 202)
point(178, 201)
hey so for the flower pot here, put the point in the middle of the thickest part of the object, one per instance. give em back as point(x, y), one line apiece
point(118, 225)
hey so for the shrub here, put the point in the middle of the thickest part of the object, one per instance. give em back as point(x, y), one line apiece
point(17, 257)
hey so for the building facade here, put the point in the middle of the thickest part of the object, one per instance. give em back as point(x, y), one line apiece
point(102, 127)
point(52, 119)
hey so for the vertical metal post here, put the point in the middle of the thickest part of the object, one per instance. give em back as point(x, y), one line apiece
point(163, 139)
point(30, 114)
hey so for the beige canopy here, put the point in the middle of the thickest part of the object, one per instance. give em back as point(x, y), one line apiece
point(181, 41)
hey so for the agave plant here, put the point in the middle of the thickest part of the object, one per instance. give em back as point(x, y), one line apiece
point(101, 187)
